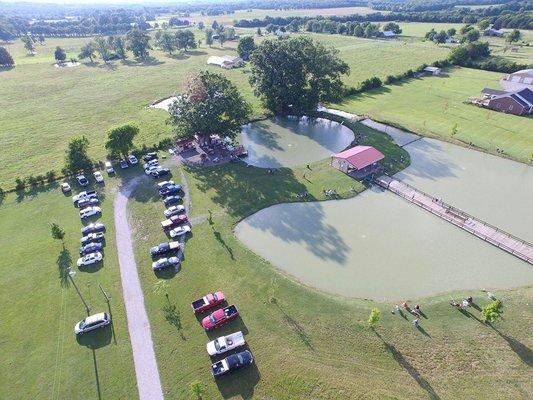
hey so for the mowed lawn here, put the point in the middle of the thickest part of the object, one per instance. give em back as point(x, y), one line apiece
point(41, 356)
point(307, 344)
point(432, 106)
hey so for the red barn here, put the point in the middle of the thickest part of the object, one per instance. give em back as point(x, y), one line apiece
point(359, 161)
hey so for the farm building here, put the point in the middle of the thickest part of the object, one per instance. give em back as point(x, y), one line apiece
point(358, 162)
point(493, 32)
point(387, 35)
point(225, 61)
point(432, 71)
point(519, 80)
point(518, 103)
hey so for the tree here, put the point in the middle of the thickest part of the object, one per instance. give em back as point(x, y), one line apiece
point(201, 25)
point(87, 51)
point(492, 311)
point(392, 26)
point(139, 43)
point(77, 158)
point(245, 47)
point(28, 43)
point(295, 74)
point(209, 37)
point(119, 47)
point(431, 34)
point(185, 40)
point(57, 233)
point(196, 390)
point(483, 24)
point(455, 130)
point(60, 55)
point(166, 41)
point(451, 32)
point(293, 26)
point(471, 36)
point(102, 47)
point(120, 139)
point(221, 38)
point(373, 319)
point(214, 25)
point(5, 58)
point(270, 28)
point(259, 32)
point(440, 37)
point(210, 104)
point(229, 33)
point(41, 39)
point(465, 29)
point(513, 36)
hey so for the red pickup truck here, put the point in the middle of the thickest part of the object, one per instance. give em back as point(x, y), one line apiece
point(173, 221)
point(220, 317)
point(207, 302)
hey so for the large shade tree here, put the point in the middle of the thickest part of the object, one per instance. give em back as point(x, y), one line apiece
point(210, 104)
point(120, 139)
point(139, 43)
point(60, 55)
point(294, 75)
point(5, 58)
point(87, 51)
point(245, 47)
point(29, 43)
point(77, 157)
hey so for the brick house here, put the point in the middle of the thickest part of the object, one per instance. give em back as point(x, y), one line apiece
point(517, 103)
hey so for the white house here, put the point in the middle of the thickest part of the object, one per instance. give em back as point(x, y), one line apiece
point(226, 61)
point(387, 35)
point(432, 71)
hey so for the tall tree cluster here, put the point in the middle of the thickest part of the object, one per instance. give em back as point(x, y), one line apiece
point(5, 58)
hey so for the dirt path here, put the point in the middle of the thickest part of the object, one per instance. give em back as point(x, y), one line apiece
point(148, 381)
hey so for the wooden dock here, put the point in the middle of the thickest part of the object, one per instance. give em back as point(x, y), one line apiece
point(491, 234)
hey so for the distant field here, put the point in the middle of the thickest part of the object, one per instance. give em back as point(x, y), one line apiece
point(260, 14)
point(419, 29)
point(433, 105)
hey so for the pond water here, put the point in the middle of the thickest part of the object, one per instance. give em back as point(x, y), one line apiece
point(379, 246)
point(288, 141)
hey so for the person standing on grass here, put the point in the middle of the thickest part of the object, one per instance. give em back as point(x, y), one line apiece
point(416, 322)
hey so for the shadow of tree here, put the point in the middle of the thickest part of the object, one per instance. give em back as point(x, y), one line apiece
point(521, 350)
point(408, 367)
point(295, 326)
point(239, 383)
point(172, 316)
point(64, 263)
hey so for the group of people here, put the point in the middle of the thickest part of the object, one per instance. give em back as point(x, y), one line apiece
point(415, 311)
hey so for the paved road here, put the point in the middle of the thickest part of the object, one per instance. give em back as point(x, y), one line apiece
point(148, 381)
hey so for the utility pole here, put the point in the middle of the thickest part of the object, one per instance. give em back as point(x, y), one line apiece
point(71, 276)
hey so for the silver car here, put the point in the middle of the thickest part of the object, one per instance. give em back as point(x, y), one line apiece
point(92, 322)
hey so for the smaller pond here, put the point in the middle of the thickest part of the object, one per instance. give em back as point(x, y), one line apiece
point(288, 141)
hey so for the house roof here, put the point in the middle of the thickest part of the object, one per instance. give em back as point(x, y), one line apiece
point(388, 33)
point(431, 69)
point(222, 60)
point(519, 100)
point(360, 156)
point(526, 95)
point(494, 92)
point(523, 72)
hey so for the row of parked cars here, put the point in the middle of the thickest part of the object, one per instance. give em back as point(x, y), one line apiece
point(223, 344)
point(151, 166)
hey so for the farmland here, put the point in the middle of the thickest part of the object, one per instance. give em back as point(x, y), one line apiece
point(432, 106)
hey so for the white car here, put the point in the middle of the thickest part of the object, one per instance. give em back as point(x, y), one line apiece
point(84, 195)
point(174, 210)
point(65, 187)
point(133, 160)
point(150, 169)
point(98, 176)
point(224, 344)
point(92, 322)
point(151, 163)
point(163, 184)
point(89, 259)
point(180, 230)
point(163, 263)
point(109, 168)
point(82, 180)
point(89, 212)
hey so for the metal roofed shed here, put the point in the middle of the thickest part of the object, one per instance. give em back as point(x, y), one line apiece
point(358, 162)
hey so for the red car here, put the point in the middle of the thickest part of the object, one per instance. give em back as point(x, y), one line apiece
point(207, 302)
point(220, 317)
point(174, 221)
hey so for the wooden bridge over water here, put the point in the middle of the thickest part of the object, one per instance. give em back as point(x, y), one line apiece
point(491, 234)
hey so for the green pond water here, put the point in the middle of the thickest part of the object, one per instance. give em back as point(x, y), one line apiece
point(288, 141)
point(379, 246)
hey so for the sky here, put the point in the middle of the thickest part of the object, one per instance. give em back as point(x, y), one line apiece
point(84, 2)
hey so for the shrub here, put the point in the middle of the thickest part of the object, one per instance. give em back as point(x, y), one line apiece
point(40, 179)
point(373, 319)
point(371, 83)
point(50, 176)
point(32, 181)
point(492, 311)
point(20, 184)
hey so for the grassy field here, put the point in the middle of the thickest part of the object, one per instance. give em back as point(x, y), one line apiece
point(42, 359)
point(432, 106)
point(307, 344)
point(41, 106)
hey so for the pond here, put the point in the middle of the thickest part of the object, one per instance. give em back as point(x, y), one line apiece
point(379, 246)
point(288, 141)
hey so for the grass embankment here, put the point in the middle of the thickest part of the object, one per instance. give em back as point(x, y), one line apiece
point(306, 344)
point(432, 106)
point(41, 357)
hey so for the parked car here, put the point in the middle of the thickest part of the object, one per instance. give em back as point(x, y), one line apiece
point(92, 237)
point(170, 200)
point(220, 317)
point(160, 172)
point(83, 203)
point(223, 344)
point(93, 227)
point(174, 210)
point(180, 230)
point(109, 168)
point(90, 212)
point(89, 259)
point(98, 176)
point(133, 160)
point(123, 164)
point(151, 168)
point(170, 190)
point(207, 302)
point(232, 363)
point(82, 180)
point(89, 194)
point(163, 263)
point(173, 221)
point(161, 185)
point(91, 323)
point(65, 187)
point(91, 247)
point(165, 247)
point(150, 156)
point(151, 164)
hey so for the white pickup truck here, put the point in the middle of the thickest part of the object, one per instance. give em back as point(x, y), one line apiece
point(224, 344)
